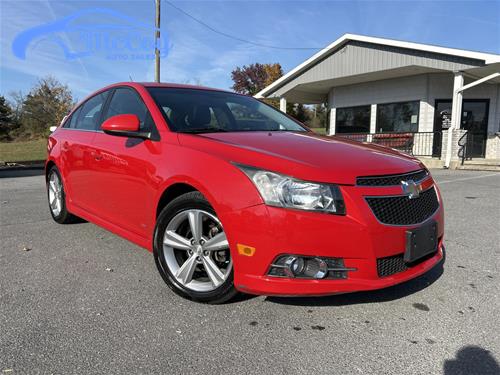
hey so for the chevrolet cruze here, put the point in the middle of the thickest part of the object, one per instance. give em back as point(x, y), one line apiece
point(233, 195)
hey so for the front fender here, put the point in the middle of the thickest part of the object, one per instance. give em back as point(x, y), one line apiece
point(223, 184)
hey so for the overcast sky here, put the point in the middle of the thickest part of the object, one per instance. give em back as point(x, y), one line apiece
point(198, 55)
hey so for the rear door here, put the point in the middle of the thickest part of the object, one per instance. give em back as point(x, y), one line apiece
point(124, 168)
point(77, 153)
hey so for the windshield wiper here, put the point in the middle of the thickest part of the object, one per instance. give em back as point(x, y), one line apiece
point(202, 130)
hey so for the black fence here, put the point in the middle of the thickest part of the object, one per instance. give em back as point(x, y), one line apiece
point(472, 145)
point(416, 144)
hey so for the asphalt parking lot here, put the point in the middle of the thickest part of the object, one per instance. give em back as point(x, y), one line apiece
point(78, 299)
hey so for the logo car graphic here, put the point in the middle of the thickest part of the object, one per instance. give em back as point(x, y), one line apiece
point(57, 32)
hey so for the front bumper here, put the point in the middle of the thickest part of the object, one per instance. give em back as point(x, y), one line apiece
point(358, 238)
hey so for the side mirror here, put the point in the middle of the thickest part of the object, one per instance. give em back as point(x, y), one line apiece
point(124, 126)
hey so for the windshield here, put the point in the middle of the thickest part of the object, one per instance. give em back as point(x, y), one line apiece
point(203, 111)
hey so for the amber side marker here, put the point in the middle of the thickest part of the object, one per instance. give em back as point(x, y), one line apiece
point(248, 251)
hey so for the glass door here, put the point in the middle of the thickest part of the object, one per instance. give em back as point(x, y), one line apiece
point(442, 121)
point(474, 120)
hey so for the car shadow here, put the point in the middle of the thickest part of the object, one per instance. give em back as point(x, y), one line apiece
point(472, 360)
point(382, 295)
point(241, 297)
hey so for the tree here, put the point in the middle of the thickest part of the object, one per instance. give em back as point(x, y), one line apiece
point(6, 119)
point(251, 79)
point(300, 112)
point(319, 116)
point(273, 73)
point(16, 102)
point(46, 105)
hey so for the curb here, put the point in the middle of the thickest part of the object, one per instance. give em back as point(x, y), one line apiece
point(28, 165)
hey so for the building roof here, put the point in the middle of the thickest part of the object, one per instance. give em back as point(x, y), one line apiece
point(487, 58)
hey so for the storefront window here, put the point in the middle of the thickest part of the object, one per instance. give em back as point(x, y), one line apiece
point(353, 119)
point(397, 117)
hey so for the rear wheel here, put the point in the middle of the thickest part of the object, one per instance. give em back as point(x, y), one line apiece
point(57, 198)
point(192, 252)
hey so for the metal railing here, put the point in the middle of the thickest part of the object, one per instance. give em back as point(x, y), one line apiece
point(416, 144)
point(462, 147)
point(472, 144)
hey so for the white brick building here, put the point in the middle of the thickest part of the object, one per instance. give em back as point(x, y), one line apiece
point(403, 95)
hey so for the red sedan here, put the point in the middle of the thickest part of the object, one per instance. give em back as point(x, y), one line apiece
point(232, 195)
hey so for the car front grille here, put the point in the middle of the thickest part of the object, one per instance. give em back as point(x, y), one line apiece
point(391, 180)
point(401, 210)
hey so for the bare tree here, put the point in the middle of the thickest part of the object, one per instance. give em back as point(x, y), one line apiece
point(45, 105)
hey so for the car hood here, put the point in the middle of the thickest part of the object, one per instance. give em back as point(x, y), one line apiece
point(304, 155)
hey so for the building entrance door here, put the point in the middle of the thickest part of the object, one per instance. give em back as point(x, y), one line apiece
point(474, 120)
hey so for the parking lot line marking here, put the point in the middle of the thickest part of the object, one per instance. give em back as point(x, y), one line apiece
point(468, 178)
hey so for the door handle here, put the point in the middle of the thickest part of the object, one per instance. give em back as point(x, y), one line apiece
point(65, 145)
point(97, 156)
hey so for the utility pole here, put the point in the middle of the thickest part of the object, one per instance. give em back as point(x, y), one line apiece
point(157, 41)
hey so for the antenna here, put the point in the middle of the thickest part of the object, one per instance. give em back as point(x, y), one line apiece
point(131, 79)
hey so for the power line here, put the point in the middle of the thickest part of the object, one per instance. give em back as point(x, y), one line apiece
point(235, 37)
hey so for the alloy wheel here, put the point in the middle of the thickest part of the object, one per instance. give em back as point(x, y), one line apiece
point(196, 250)
point(55, 194)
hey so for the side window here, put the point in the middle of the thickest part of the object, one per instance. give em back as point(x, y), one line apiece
point(90, 113)
point(127, 101)
point(71, 122)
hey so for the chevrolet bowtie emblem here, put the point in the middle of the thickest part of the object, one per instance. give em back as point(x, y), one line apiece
point(411, 189)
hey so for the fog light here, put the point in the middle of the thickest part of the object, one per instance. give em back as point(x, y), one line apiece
point(315, 268)
point(308, 267)
point(294, 266)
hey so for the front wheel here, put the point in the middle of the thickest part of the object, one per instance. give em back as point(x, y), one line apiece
point(192, 252)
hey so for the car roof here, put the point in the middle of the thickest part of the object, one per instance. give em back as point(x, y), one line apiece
point(166, 85)
point(149, 84)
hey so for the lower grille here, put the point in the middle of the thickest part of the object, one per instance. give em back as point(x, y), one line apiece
point(402, 210)
point(391, 265)
point(394, 264)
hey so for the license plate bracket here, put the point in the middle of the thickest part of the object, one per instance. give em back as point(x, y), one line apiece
point(420, 242)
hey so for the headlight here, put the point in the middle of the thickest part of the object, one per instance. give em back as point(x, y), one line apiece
point(284, 191)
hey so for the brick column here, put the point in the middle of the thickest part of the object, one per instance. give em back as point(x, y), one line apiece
point(333, 113)
point(456, 116)
point(283, 104)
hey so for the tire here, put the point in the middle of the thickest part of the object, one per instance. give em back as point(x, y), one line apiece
point(186, 256)
point(55, 192)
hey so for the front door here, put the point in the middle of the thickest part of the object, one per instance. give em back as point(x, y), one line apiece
point(474, 120)
point(124, 168)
